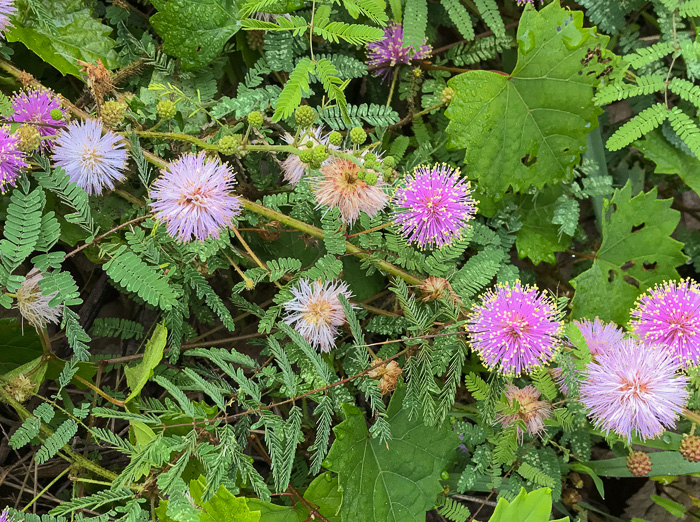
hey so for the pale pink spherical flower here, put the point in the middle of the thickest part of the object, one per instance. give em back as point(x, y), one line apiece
point(532, 411)
point(599, 335)
point(340, 186)
point(316, 313)
point(33, 305)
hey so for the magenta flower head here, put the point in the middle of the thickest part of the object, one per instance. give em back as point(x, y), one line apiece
point(11, 158)
point(390, 51)
point(92, 160)
point(599, 335)
point(669, 315)
point(7, 9)
point(5, 516)
point(632, 387)
point(434, 206)
point(193, 197)
point(35, 106)
point(515, 328)
point(316, 312)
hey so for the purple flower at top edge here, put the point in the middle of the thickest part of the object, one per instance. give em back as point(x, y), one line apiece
point(634, 388)
point(11, 158)
point(599, 335)
point(390, 51)
point(434, 206)
point(515, 328)
point(7, 9)
point(193, 197)
point(669, 315)
point(35, 106)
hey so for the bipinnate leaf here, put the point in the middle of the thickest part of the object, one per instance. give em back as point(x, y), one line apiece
point(78, 36)
point(393, 484)
point(137, 376)
point(535, 506)
point(669, 159)
point(529, 127)
point(637, 252)
point(195, 30)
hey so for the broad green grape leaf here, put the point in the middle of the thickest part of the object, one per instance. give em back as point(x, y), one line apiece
point(535, 506)
point(224, 506)
point(637, 252)
point(322, 492)
point(669, 159)
point(18, 345)
point(195, 30)
point(395, 483)
point(539, 238)
point(78, 36)
point(530, 127)
point(137, 376)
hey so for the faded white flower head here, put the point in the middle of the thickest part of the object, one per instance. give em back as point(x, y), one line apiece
point(34, 306)
point(292, 168)
point(316, 312)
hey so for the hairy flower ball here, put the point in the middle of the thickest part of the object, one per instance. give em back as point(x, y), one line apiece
point(11, 158)
point(341, 187)
point(632, 387)
point(35, 106)
point(193, 197)
point(515, 328)
point(93, 160)
point(293, 168)
point(7, 9)
point(532, 410)
point(639, 464)
point(669, 315)
point(390, 51)
point(599, 335)
point(434, 206)
point(5, 516)
point(316, 312)
point(34, 306)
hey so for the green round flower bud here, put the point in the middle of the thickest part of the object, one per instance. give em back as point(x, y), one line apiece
point(362, 174)
point(166, 109)
point(320, 153)
point(315, 164)
point(370, 156)
point(255, 119)
point(447, 94)
point(370, 163)
point(112, 113)
point(336, 138)
point(29, 138)
point(371, 178)
point(388, 175)
point(306, 156)
point(56, 114)
point(358, 135)
point(444, 475)
point(309, 144)
point(229, 144)
point(389, 162)
point(305, 116)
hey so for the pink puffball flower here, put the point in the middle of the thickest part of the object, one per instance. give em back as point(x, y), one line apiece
point(341, 187)
point(316, 313)
point(34, 106)
point(12, 160)
point(634, 388)
point(193, 197)
point(390, 51)
point(7, 9)
point(599, 335)
point(669, 315)
point(434, 206)
point(515, 328)
point(292, 168)
point(532, 411)
point(93, 160)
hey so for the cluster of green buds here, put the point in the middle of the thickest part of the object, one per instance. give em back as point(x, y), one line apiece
point(113, 113)
point(166, 109)
point(230, 144)
point(314, 156)
point(29, 138)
